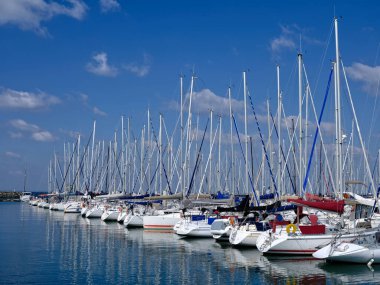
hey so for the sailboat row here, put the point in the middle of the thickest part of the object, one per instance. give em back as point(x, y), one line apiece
point(270, 191)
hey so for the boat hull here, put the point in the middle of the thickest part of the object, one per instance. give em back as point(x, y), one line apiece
point(133, 221)
point(161, 222)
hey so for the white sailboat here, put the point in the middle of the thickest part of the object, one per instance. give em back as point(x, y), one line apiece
point(364, 249)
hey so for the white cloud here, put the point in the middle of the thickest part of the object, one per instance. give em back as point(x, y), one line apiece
point(43, 136)
point(71, 133)
point(205, 100)
point(369, 76)
point(14, 99)
point(109, 5)
point(100, 66)
point(99, 112)
point(282, 42)
point(30, 14)
point(289, 38)
point(36, 133)
point(12, 154)
point(142, 69)
point(24, 126)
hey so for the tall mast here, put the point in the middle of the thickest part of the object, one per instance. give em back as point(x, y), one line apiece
point(92, 154)
point(300, 167)
point(128, 155)
point(232, 146)
point(182, 170)
point(338, 114)
point(246, 132)
point(160, 151)
point(210, 155)
point(122, 155)
point(219, 153)
point(279, 185)
point(270, 144)
point(149, 150)
point(188, 136)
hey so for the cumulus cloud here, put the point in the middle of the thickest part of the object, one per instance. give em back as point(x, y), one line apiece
point(12, 154)
point(109, 5)
point(205, 100)
point(99, 112)
point(99, 66)
point(289, 37)
point(43, 136)
point(140, 70)
point(22, 125)
point(35, 132)
point(14, 99)
point(29, 15)
point(282, 42)
point(368, 76)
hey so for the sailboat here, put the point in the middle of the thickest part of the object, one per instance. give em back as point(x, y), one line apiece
point(308, 237)
point(364, 249)
point(25, 196)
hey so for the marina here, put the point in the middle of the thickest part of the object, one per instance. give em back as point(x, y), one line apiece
point(270, 176)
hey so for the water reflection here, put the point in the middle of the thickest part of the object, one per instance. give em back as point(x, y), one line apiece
point(71, 249)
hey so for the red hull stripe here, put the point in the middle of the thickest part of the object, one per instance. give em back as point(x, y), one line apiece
point(158, 226)
point(288, 250)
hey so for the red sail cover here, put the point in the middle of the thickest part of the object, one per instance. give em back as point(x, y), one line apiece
point(327, 205)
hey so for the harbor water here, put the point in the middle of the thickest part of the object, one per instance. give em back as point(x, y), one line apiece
point(39, 246)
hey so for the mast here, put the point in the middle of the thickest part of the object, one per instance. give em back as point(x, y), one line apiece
point(210, 155)
point(122, 155)
point(232, 146)
point(279, 184)
point(92, 153)
point(270, 144)
point(149, 150)
point(160, 151)
point(219, 153)
point(300, 173)
point(182, 170)
point(246, 131)
point(338, 115)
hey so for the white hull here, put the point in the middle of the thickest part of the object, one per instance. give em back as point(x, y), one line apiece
point(61, 206)
point(193, 229)
point(161, 222)
point(83, 211)
point(221, 229)
point(296, 244)
point(94, 213)
point(121, 217)
point(349, 252)
point(25, 198)
point(243, 236)
point(73, 207)
point(132, 220)
point(110, 215)
point(34, 202)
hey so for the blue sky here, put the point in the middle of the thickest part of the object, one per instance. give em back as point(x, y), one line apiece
point(67, 63)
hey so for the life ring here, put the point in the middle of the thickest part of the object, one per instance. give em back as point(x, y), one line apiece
point(232, 221)
point(291, 227)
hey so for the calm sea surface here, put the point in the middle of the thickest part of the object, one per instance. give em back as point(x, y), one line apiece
point(38, 246)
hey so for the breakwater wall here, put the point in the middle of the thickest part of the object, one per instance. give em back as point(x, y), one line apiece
point(10, 196)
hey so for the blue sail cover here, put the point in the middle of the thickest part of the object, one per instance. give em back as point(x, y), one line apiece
point(267, 196)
